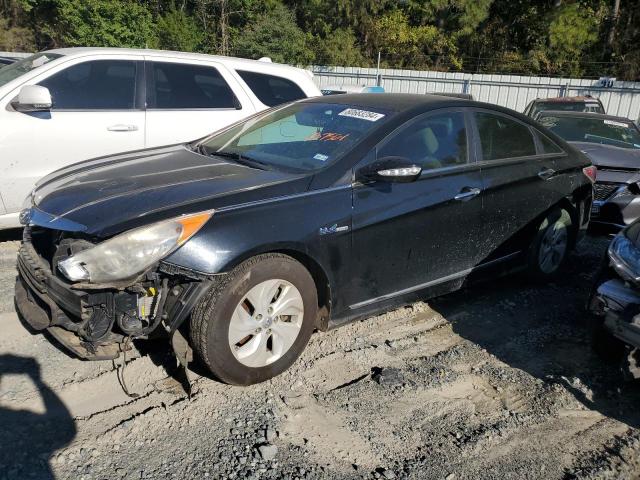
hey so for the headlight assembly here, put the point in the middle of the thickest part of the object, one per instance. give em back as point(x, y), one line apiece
point(625, 258)
point(131, 253)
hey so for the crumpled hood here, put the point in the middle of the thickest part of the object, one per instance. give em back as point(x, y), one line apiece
point(609, 156)
point(115, 193)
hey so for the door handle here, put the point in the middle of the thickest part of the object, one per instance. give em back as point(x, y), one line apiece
point(546, 174)
point(122, 128)
point(467, 194)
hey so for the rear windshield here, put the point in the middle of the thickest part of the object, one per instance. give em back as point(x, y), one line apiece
point(594, 130)
point(13, 71)
point(593, 107)
point(299, 137)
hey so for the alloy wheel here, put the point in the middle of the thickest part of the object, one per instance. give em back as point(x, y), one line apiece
point(266, 323)
point(553, 247)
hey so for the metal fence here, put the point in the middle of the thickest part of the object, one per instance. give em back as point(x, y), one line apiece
point(512, 91)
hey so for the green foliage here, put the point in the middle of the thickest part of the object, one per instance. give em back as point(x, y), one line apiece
point(15, 39)
point(546, 37)
point(340, 47)
point(409, 46)
point(275, 35)
point(101, 23)
point(178, 31)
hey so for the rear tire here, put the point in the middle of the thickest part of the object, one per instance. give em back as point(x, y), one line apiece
point(255, 322)
point(549, 249)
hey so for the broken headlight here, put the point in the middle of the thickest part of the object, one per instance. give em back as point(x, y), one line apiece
point(625, 258)
point(131, 253)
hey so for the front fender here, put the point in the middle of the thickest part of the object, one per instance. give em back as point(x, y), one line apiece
point(316, 224)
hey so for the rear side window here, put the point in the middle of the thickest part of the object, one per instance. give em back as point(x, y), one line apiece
point(502, 137)
point(548, 146)
point(436, 141)
point(96, 85)
point(271, 90)
point(183, 86)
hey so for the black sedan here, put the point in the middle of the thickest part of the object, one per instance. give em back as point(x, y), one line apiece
point(613, 145)
point(303, 217)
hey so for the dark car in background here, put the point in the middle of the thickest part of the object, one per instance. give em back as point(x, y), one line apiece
point(304, 217)
point(613, 145)
point(615, 303)
point(585, 103)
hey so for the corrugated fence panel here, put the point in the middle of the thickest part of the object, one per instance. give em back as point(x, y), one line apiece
point(512, 91)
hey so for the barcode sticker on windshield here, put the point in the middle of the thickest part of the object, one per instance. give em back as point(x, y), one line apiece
point(616, 124)
point(361, 114)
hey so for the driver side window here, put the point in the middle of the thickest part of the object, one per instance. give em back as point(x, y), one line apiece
point(435, 141)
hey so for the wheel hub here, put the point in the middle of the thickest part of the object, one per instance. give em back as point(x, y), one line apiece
point(266, 323)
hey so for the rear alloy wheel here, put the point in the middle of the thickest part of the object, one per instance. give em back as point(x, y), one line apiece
point(550, 246)
point(255, 322)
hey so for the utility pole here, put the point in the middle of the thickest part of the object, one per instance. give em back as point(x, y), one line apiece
point(378, 79)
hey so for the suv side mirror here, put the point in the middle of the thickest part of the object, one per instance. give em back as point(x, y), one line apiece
point(33, 98)
point(391, 169)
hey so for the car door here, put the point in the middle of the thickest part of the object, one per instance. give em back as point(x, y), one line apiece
point(519, 180)
point(95, 112)
point(407, 236)
point(189, 100)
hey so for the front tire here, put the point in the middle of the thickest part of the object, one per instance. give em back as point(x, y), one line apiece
point(549, 249)
point(255, 322)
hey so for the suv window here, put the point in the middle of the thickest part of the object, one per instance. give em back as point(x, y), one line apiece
point(502, 137)
point(94, 85)
point(432, 142)
point(271, 90)
point(181, 86)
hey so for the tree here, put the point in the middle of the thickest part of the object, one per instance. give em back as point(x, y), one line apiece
point(572, 31)
point(277, 36)
point(178, 31)
point(405, 45)
point(98, 23)
point(339, 47)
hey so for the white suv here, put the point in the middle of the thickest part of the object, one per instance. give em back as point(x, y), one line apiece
point(63, 106)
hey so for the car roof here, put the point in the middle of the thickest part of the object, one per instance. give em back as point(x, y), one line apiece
point(574, 99)
point(234, 62)
point(397, 102)
point(564, 113)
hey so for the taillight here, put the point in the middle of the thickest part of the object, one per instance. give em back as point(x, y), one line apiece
point(590, 172)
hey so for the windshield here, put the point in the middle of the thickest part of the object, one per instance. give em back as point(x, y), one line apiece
point(13, 71)
point(592, 107)
point(299, 137)
point(594, 130)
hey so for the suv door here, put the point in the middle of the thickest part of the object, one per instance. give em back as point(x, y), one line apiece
point(408, 236)
point(95, 112)
point(187, 101)
point(520, 176)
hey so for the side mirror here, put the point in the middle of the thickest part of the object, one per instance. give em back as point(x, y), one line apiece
point(391, 169)
point(33, 98)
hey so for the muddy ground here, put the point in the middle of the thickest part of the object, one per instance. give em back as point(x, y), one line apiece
point(495, 381)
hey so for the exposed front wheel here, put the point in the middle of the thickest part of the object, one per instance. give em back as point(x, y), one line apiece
point(255, 323)
point(550, 246)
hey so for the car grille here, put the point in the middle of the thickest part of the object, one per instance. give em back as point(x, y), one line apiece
point(602, 191)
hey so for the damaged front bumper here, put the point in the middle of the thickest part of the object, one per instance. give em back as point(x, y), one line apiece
point(93, 324)
point(619, 303)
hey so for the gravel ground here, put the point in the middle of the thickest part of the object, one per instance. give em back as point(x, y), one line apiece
point(495, 381)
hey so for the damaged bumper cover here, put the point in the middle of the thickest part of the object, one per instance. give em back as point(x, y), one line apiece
point(92, 323)
point(620, 305)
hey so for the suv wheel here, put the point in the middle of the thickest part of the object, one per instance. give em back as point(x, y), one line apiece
point(550, 246)
point(254, 323)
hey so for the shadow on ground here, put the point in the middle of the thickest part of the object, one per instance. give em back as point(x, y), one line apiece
point(27, 438)
point(541, 329)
